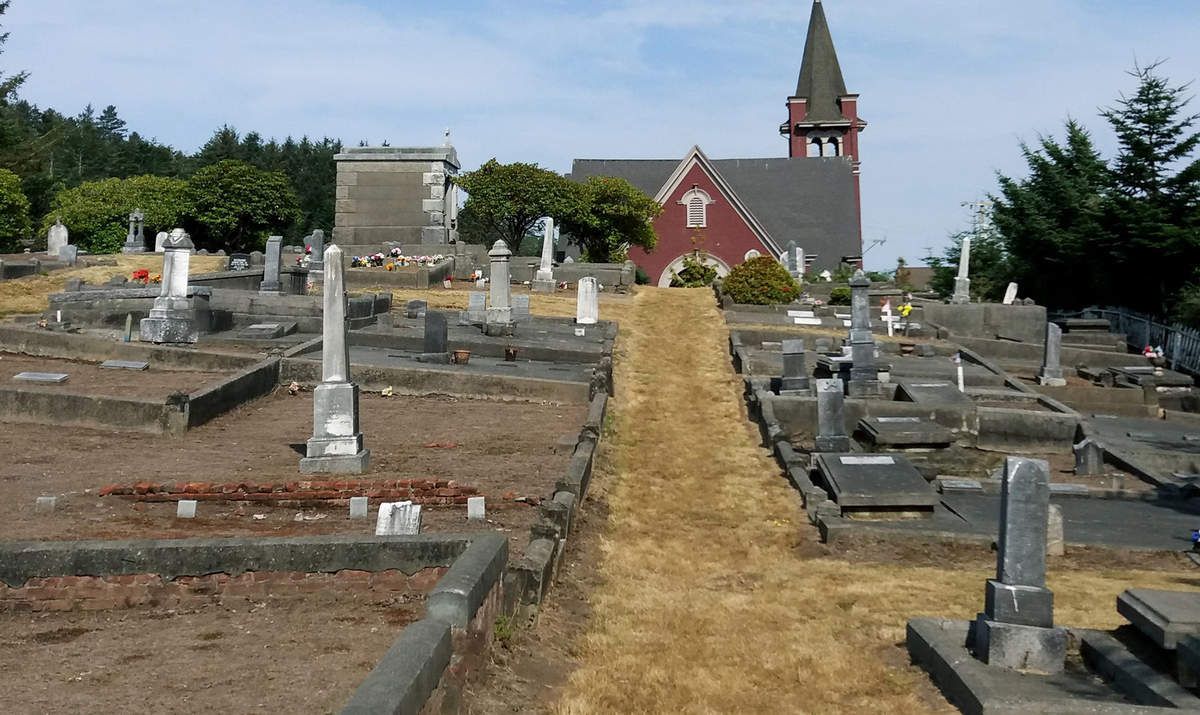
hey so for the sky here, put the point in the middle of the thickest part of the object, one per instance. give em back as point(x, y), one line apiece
point(949, 87)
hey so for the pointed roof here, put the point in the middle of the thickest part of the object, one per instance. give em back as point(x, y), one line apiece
point(820, 80)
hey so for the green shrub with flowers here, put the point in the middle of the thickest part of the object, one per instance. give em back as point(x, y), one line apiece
point(761, 281)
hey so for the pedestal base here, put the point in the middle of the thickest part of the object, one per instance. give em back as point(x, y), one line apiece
point(840, 443)
point(1019, 605)
point(864, 388)
point(1051, 378)
point(543, 286)
point(336, 464)
point(795, 385)
point(962, 291)
point(1024, 648)
point(171, 329)
point(498, 330)
point(133, 249)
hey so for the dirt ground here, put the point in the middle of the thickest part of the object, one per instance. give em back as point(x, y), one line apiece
point(88, 378)
point(271, 656)
point(502, 449)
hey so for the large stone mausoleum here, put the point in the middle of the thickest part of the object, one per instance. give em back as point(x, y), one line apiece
point(402, 195)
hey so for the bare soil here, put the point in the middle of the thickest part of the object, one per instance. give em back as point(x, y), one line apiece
point(88, 378)
point(506, 450)
point(277, 655)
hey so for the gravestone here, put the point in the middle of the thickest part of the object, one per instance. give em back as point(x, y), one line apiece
point(1165, 617)
point(336, 446)
point(477, 306)
point(962, 284)
point(1051, 373)
point(795, 372)
point(831, 418)
point(864, 377)
point(185, 509)
point(543, 280)
point(1089, 457)
point(135, 365)
point(520, 309)
point(1016, 629)
point(359, 507)
point(435, 334)
point(239, 262)
point(933, 392)
point(396, 518)
point(257, 258)
point(46, 505)
point(1010, 294)
point(272, 267)
point(52, 378)
point(905, 432)
point(875, 482)
point(56, 239)
point(499, 310)
point(316, 261)
point(172, 319)
point(1056, 544)
point(415, 309)
point(135, 240)
point(587, 302)
point(69, 254)
point(476, 509)
point(790, 256)
point(823, 345)
point(160, 240)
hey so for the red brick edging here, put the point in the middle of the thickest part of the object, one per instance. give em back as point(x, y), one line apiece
point(427, 492)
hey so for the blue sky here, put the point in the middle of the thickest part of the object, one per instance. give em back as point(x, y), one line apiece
point(950, 87)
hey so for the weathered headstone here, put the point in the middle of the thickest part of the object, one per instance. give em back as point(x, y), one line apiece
point(397, 518)
point(160, 240)
point(1010, 294)
point(257, 258)
point(499, 310)
point(1016, 629)
point(520, 309)
point(272, 267)
point(587, 305)
point(56, 238)
point(476, 509)
point(1089, 457)
point(337, 443)
point(795, 370)
point(435, 333)
point(316, 261)
point(543, 281)
point(172, 319)
point(69, 254)
point(135, 240)
point(477, 306)
point(962, 284)
point(415, 309)
point(238, 262)
point(1051, 373)
point(1056, 544)
point(359, 507)
point(864, 377)
point(831, 419)
point(792, 267)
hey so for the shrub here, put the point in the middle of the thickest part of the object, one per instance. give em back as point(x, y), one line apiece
point(840, 295)
point(97, 212)
point(641, 277)
point(235, 206)
point(761, 281)
point(695, 274)
point(14, 211)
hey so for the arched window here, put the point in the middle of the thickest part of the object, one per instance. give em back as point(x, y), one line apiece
point(814, 148)
point(696, 200)
point(752, 253)
point(834, 147)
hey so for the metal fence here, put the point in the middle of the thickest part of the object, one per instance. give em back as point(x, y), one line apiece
point(1180, 344)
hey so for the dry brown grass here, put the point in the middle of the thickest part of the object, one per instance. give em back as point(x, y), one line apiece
point(714, 597)
point(560, 304)
point(28, 295)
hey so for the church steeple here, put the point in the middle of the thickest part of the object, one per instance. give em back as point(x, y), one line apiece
point(821, 81)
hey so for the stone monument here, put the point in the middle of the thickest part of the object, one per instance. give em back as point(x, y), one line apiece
point(962, 284)
point(160, 240)
point(499, 310)
point(316, 260)
point(864, 378)
point(273, 266)
point(1051, 373)
point(336, 446)
point(1016, 629)
point(587, 302)
point(172, 319)
point(135, 240)
point(56, 238)
point(831, 419)
point(543, 281)
point(795, 372)
point(792, 266)
point(402, 194)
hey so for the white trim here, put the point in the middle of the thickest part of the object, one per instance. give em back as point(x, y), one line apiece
point(664, 280)
point(696, 194)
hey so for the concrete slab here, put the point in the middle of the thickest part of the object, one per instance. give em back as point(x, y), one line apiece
point(866, 482)
point(125, 365)
point(900, 432)
point(42, 377)
point(930, 392)
point(267, 331)
point(1162, 616)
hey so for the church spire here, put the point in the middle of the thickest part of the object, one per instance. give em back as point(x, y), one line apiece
point(821, 81)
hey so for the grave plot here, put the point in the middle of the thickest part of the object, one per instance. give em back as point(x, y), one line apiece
point(233, 654)
point(127, 379)
point(242, 468)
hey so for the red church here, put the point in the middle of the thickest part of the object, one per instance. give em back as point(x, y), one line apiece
point(729, 210)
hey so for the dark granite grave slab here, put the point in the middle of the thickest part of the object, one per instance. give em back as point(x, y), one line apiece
point(875, 481)
point(904, 432)
point(930, 392)
point(1162, 616)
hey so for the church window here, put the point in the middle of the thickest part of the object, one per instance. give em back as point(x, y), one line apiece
point(814, 148)
point(834, 148)
point(752, 253)
point(696, 200)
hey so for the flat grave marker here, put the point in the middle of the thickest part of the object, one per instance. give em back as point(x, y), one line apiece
point(875, 482)
point(52, 378)
point(930, 393)
point(125, 365)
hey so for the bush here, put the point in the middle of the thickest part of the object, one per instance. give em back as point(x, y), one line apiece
point(97, 212)
point(840, 295)
point(235, 206)
point(14, 211)
point(640, 277)
point(695, 274)
point(761, 281)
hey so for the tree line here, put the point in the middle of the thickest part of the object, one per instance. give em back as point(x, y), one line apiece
point(1080, 229)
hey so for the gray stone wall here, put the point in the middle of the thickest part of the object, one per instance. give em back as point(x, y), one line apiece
point(395, 194)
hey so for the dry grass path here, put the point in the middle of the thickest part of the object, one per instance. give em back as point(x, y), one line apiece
point(714, 595)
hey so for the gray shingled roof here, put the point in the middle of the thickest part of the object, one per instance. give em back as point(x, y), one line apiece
point(807, 200)
point(821, 81)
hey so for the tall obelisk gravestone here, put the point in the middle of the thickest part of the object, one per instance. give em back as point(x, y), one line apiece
point(336, 446)
point(543, 281)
